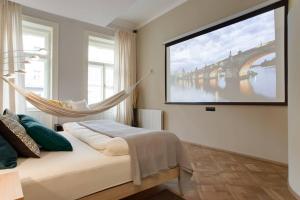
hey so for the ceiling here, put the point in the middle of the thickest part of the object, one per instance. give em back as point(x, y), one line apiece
point(144, 11)
point(130, 13)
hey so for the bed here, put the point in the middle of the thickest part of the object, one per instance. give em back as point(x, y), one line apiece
point(84, 173)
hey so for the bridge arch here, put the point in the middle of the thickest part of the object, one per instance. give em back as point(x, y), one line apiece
point(215, 72)
point(248, 64)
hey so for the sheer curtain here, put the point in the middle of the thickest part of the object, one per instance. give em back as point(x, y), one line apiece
point(125, 72)
point(10, 46)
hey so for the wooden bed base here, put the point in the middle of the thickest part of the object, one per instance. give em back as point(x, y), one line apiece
point(127, 189)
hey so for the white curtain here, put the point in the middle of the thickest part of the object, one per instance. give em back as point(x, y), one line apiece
point(10, 46)
point(125, 73)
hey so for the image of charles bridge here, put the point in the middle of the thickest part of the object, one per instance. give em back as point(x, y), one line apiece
point(234, 72)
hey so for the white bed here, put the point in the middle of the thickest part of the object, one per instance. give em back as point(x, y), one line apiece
point(72, 175)
point(83, 173)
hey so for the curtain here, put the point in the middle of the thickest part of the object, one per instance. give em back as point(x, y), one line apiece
point(10, 48)
point(125, 73)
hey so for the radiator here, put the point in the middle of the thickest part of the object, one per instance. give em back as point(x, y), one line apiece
point(150, 119)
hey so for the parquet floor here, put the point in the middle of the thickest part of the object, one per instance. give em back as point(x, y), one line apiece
point(225, 176)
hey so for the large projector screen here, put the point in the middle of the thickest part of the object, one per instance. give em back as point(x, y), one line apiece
point(240, 61)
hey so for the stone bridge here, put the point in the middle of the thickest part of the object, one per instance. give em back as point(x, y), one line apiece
point(234, 67)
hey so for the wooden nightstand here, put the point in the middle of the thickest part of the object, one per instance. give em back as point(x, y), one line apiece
point(10, 186)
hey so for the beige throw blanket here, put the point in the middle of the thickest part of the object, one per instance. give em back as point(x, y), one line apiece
point(150, 151)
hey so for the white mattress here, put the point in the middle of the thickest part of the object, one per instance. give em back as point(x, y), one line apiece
point(71, 175)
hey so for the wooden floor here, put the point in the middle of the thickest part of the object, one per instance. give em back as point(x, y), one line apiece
point(224, 176)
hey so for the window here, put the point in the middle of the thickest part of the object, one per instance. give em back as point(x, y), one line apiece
point(37, 45)
point(100, 69)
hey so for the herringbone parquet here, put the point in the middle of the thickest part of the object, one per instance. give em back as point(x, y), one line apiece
point(225, 176)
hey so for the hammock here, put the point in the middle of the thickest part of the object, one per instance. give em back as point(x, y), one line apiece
point(57, 108)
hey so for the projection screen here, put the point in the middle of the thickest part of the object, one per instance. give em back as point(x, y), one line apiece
point(240, 61)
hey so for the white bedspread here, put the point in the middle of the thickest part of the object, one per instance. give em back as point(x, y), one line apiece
point(113, 146)
point(93, 139)
point(150, 151)
point(71, 175)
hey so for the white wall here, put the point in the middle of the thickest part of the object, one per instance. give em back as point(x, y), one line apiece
point(294, 96)
point(259, 131)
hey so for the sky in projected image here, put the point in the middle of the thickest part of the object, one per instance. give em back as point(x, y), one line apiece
point(215, 46)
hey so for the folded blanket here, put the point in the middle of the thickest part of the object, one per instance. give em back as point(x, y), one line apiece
point(93, 139)
point(150, 151)
point(116, 147)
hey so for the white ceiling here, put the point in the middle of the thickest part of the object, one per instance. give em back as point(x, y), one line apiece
point(144, 11)
point(105, 12)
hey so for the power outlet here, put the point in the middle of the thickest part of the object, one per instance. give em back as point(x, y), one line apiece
point(210, 109)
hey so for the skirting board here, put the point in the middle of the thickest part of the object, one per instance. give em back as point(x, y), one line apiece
point(127, 189)
point(293, 192)
point(241, 154)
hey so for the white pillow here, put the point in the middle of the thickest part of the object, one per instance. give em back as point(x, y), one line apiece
point(72, 126)
point(116, 147)
point(79, 105)
point(95, 140)
point(93, 106)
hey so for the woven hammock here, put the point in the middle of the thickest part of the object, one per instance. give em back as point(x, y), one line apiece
point(57, 108)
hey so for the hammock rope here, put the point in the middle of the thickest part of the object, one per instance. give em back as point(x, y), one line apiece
point(57, 109)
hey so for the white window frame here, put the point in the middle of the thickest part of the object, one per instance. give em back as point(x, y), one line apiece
point(45, 58)
point(89, 34)
point(52, 53)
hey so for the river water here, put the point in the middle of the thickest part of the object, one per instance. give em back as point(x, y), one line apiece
point(261, 87)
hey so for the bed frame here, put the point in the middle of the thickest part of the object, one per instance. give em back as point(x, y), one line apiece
point(127, 189)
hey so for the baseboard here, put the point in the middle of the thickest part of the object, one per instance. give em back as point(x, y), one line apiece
point(293, 192)
point(237, 153)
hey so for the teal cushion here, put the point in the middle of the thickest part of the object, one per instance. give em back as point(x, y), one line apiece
point(47, 138)
point(26, 118)
point(8, 156)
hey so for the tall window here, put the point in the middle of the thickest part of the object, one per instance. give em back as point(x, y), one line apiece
point(38, 70)
point(100, 69)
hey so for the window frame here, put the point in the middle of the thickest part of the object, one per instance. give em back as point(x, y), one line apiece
point(52, 57)
point(44, 58)
point(102, 65)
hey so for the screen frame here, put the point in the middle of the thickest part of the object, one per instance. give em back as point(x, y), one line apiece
point(282, 3)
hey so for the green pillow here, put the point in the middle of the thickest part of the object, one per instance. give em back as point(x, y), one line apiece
point(47, 138)
point(27, 118)
point(8, 156)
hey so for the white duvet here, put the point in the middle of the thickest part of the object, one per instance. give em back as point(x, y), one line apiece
point(109, 146)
